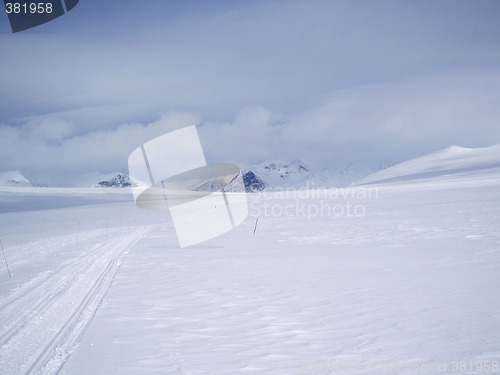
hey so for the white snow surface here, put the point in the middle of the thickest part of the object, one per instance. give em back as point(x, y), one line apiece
point(13, 178)
point(393, 278)
point(450, 162)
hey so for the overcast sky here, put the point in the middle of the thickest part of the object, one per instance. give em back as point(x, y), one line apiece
point(330, 82)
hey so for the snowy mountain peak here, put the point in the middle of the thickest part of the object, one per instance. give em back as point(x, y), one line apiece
point(298, 174)
point(13, 178)
point(295, 166)
point(286, 170)
point(118, 180)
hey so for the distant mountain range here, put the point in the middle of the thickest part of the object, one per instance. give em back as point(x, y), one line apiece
point(452, 161)
point(271, 175)
point(275, 175)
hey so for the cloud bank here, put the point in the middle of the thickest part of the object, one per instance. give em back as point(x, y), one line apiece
point(372, 125)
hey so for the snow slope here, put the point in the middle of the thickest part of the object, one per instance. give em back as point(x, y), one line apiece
point(13, 178)
point(392, 278)
point(453, 160)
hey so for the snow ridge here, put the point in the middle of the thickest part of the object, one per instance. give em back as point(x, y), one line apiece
point(454, 160)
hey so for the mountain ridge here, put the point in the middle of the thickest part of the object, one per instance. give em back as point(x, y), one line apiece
point(298, 174)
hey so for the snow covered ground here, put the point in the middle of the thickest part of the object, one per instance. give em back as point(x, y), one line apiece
point(400, 277)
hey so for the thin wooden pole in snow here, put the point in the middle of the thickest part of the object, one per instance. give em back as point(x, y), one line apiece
point(255, 228)
point(5, 258)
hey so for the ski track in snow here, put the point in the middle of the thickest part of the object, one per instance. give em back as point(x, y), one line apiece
point(43, 319)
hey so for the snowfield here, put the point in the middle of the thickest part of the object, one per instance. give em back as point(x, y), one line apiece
point(400, 279)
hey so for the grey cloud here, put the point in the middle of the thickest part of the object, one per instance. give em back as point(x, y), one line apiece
point(373, 124)
point(279, 54)
point(384, 123)
point(53, 149)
